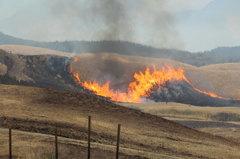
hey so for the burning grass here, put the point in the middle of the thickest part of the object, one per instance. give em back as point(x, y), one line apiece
point(144, 82)
point(141, 88)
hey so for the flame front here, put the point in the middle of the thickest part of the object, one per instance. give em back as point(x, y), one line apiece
point(142, 84)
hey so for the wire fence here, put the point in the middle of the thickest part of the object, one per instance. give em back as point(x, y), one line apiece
point(88, 155)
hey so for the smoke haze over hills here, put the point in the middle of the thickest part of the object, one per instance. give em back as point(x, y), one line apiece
point(227, 55)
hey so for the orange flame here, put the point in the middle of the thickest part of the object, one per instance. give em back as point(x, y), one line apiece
point(142, 84)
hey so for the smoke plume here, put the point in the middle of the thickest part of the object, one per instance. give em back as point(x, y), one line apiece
point(142, 21)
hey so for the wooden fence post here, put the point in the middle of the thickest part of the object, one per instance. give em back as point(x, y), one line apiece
point(118, 139)
point(89, 137)
point(10, 143)
point(56, 144)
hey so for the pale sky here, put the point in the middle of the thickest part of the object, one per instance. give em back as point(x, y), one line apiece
point(193, 25)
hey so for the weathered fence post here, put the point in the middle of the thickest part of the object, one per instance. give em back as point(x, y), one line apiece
point(10, 143)
point(118, 139)
point(89, 137)
point(56, 144)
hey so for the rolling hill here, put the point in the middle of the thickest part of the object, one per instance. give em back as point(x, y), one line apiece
point(41, 110)
point(37, 70)
point(222, 82)
point(222, 121)
point(233, 52)
point(30, 50)
point(37, 67)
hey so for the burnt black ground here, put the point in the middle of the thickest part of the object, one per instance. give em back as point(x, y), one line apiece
point(182, 92)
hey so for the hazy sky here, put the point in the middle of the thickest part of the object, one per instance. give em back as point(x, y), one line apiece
point(194, 25)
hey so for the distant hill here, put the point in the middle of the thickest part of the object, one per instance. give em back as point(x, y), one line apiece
point(233, 52)
point(31, 50)
point(124, 48)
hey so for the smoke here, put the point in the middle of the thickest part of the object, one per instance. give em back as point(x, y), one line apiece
point(142, 21)
point(169, 91)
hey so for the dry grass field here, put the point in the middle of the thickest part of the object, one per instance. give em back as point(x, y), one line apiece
point(145, 132)
point(223, 121)
point(30, 50)
point(40, 146)
point(223, 67)
point(143, 135)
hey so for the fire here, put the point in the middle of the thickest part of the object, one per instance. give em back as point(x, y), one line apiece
point(142, 84)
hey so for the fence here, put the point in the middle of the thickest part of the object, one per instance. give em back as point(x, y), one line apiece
point(88, 156)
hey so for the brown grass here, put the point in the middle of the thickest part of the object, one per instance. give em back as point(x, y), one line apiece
point(30, 50)
point(39, 146)
point(223, 82)
point(221, 79)
point(222, 121)
point(41, 110)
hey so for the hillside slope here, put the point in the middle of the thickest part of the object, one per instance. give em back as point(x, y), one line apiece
point(30, 50)
point(41, 110)
point(99, 67)
point(223, 121)
point(37, 70)
point(223, 79)
point(37, 66)
point(223, 67)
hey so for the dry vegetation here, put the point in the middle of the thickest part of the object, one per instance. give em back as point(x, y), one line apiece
point(223, 67)
point(30, 50)
point(40, 146)
point(221, 79)
point(223, 121)
point(143, 135)
point(41, 110)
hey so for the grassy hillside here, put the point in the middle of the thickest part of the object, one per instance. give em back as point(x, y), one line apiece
point(38, 70)
point(221, 79)
point(223, 121)
point(30, 50)
point(99, 67)
point(223, 67)
point(41, 146)
point(41, 110)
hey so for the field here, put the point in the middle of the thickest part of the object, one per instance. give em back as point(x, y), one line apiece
point(152, 130)
point(29, 50)
point(223, 121)
point(40, 146)
point(42, 110)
